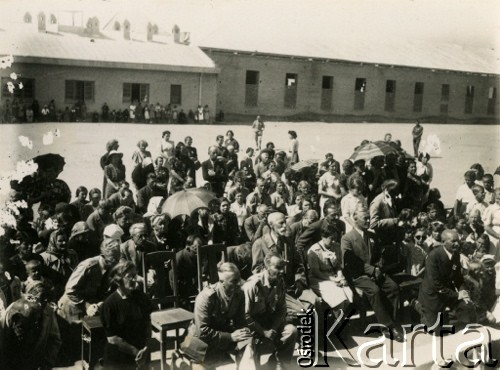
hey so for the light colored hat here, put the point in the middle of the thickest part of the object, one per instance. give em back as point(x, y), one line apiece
point(115, 152)
point(80, 227)
point(153, 206)
point(113, 231)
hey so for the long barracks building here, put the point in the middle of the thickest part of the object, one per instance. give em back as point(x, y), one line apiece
point(116, 64)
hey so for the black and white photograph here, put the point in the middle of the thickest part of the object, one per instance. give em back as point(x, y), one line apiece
point(249, 184)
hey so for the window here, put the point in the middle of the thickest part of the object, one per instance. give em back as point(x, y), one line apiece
point(291, 81)
point(359, 93)
point(469, 99)
point(445, 97)
point(135, 92)
point(326, 92)
point(445, 92)
point(176, 94)
point(252, 88)
point(79, 91)
point(390, 95)
point(492, 100)
point(418, 97)
point(27, 92)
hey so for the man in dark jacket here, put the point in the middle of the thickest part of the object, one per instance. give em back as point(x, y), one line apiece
point(361, 270)
point(312, 234)
point(214, 171)
point(442, 283)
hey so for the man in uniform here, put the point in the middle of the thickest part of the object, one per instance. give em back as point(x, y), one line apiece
point(219, 321)
point(88, 284)
point(265, 311)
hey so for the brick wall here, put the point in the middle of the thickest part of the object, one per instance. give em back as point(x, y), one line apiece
point(271, 91)
point(108, 83)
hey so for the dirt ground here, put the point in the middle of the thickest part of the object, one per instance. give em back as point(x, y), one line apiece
point(82, 144)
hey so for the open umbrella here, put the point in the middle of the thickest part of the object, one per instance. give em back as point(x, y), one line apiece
point(304, 164)
point(399, 149)
point(186, 201)
point(372, 150)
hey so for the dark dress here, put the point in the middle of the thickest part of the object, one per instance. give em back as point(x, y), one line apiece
point(128, 319)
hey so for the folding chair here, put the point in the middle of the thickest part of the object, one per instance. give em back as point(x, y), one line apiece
point(211, 254)
point(164, 264)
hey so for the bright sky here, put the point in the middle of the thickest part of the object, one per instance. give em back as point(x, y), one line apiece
point(468, 21)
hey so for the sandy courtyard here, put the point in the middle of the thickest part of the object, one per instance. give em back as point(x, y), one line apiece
point(82, 144)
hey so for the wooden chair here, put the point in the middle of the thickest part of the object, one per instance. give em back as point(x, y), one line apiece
point(212, 254)
point(174, 318)
point(93, 341)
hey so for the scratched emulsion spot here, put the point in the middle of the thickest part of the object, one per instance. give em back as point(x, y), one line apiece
point(25, 141)
point(431, 145)
point(9, 211)
point(48, 138)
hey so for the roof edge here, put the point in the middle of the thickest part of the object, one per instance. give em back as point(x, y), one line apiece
point(121, 65)
point(344, 61)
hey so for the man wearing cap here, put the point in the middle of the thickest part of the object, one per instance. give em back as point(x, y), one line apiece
point(215, 172)
point(219, 320)
point(464, 194)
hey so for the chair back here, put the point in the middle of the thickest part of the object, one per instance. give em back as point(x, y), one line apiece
point(208, 256)
point(162, 268)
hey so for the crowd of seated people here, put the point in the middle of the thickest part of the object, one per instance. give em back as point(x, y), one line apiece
point(321, 236)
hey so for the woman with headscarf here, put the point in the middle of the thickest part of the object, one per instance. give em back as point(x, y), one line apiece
point(80, 243)
point(60, 260)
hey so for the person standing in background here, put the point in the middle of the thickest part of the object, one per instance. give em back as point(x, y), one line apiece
point(417, 133)
point(258, 128)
